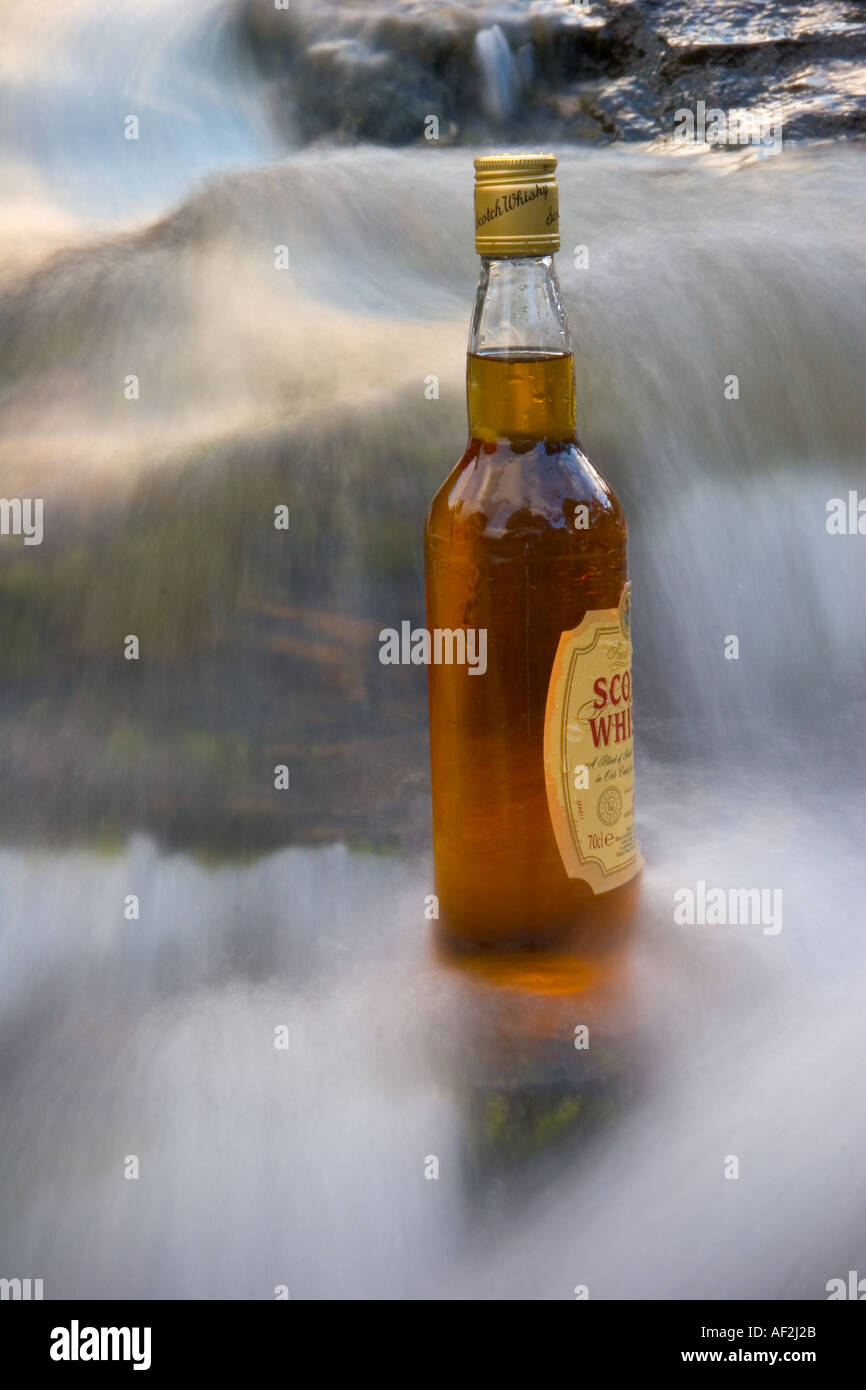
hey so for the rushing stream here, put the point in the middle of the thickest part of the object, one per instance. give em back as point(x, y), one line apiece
point(259, 386)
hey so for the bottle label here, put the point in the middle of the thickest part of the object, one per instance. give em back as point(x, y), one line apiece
point(589, 749)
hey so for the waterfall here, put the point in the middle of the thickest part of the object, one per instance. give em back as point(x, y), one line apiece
point(500, 78)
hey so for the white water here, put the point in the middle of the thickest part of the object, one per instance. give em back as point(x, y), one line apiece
point(72, 73)
point(500, 75)
point(260, 1167)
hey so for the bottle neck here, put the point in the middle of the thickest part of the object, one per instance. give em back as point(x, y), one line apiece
point(520, 368)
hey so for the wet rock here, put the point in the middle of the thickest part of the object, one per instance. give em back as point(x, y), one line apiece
point(612, 71)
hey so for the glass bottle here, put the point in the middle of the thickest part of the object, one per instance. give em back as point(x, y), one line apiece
point(528, 610)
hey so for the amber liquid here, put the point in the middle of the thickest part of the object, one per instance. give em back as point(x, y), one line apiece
point(502, 553)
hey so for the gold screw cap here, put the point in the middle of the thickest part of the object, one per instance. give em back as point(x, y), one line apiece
point(516, 205)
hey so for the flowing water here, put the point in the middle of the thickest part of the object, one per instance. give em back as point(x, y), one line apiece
point(558, 1166)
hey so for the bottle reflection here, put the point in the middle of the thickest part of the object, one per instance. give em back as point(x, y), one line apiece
point(549, 1051)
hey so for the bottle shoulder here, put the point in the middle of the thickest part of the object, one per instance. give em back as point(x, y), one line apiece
point(501, 489)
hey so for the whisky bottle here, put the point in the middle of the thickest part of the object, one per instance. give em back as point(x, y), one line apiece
point(525, 552)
